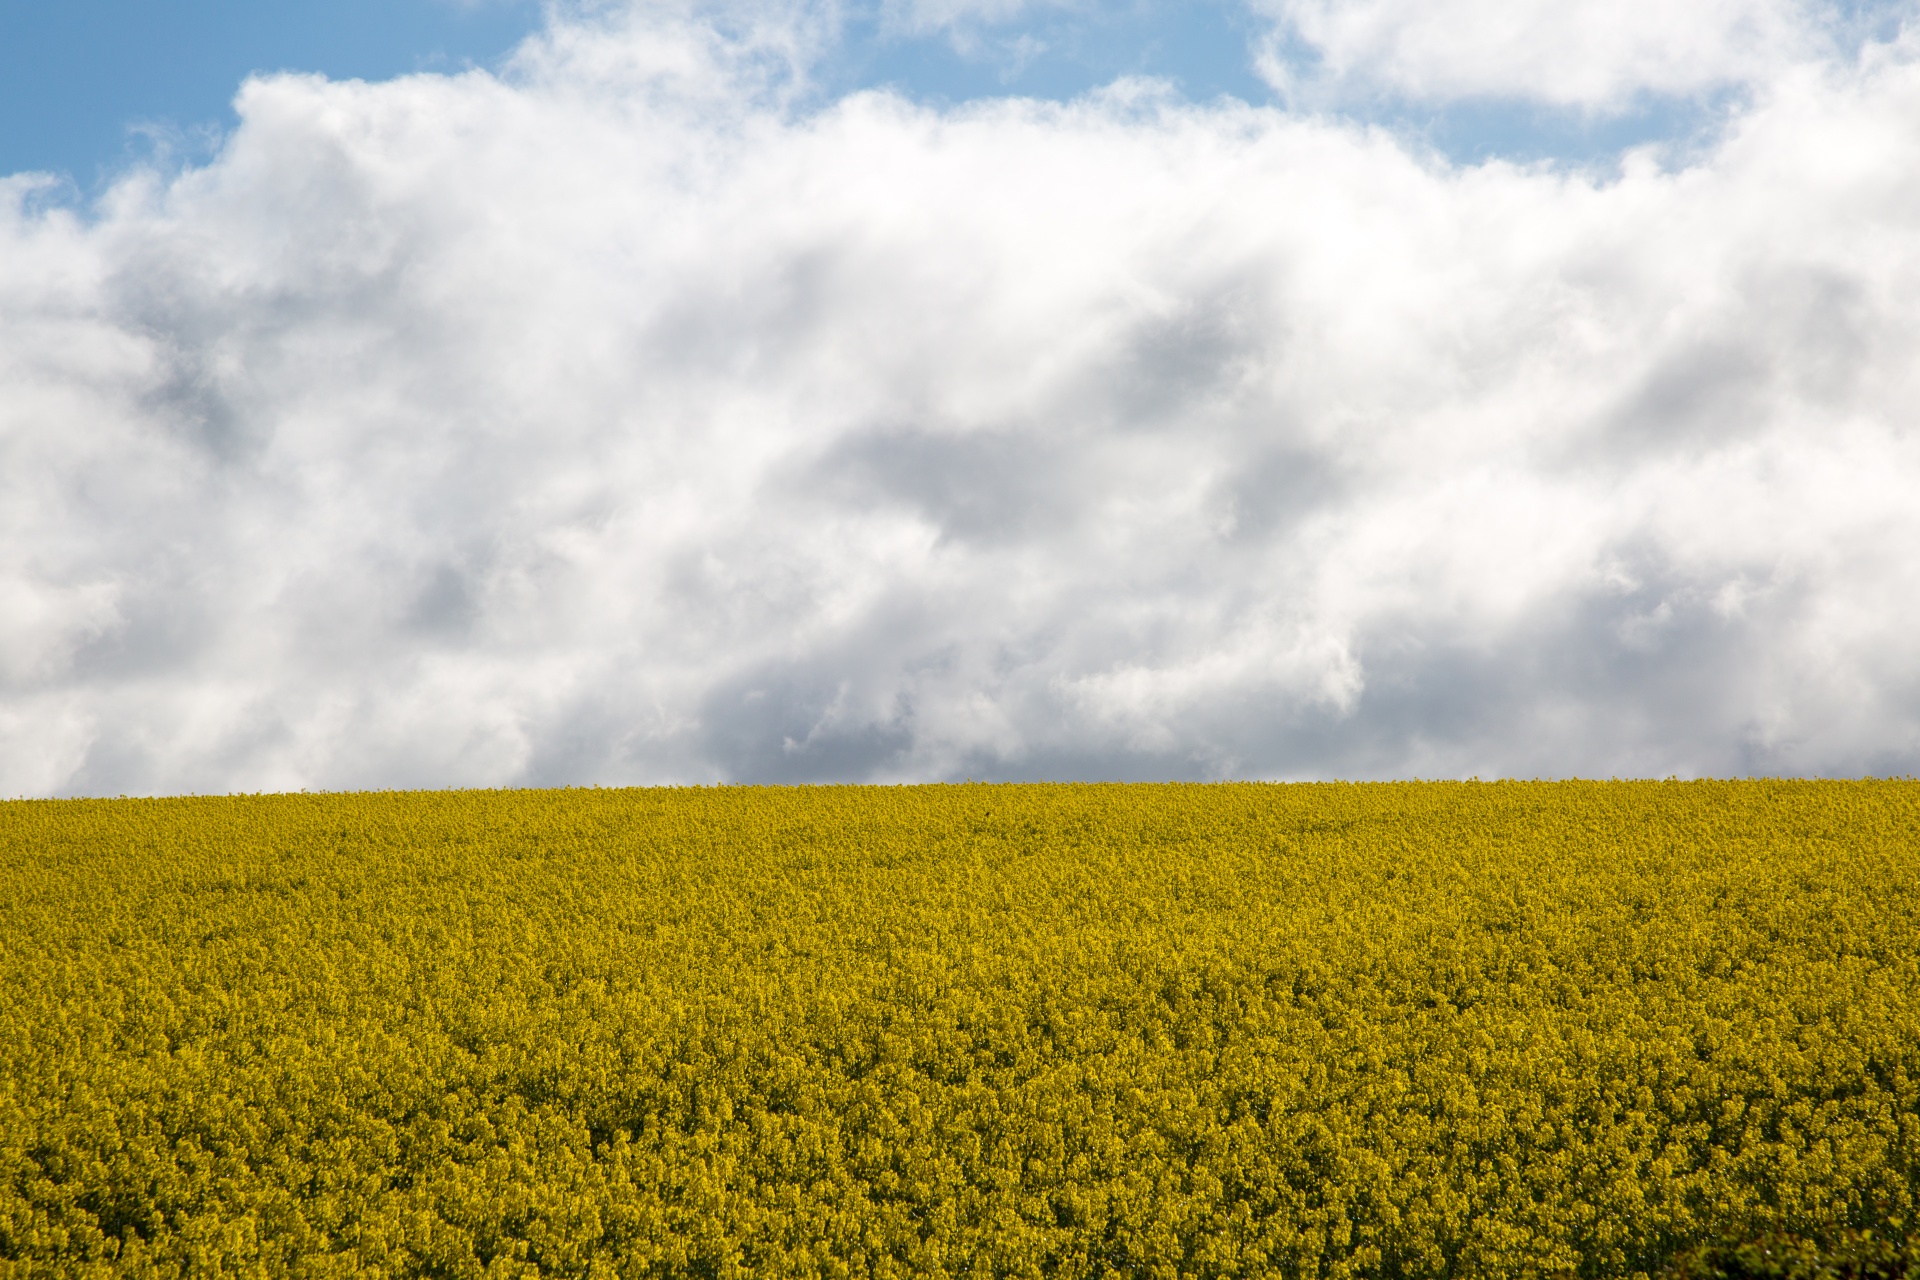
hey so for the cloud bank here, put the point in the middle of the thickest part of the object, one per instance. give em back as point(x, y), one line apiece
point(610, 419)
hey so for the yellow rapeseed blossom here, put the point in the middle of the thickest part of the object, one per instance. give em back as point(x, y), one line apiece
point(1397, 1030)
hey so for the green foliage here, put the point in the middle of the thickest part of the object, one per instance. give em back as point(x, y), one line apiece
point(1408, 1030)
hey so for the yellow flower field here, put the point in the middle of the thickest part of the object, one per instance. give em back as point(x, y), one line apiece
point(1398, 1030)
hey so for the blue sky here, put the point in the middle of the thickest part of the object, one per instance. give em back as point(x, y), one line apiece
point(84, 83)
point(88, 85)
point(79, 78)
point(1200, 45)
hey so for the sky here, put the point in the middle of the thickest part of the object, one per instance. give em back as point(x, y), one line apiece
point(799, 391)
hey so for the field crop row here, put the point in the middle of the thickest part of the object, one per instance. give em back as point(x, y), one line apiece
point(1397, 1030)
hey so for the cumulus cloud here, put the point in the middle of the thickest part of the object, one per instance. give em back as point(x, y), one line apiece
point(1579, 53)
point(1593, 57)
point(611, 420)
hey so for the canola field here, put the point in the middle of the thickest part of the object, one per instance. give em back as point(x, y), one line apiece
point(1394, 1030)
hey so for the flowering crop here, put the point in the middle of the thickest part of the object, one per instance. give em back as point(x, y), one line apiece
point(1422, 1029)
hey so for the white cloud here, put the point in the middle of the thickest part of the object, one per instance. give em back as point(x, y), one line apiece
point(1592, 55)
point(1578, 53)
point(610, 423)
point(919, 16)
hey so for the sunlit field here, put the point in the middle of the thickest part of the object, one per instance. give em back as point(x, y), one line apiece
point(1398, 1030)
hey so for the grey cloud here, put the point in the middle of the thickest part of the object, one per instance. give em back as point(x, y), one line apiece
point(446, 605)
point(1267, 493)
point(804, 724)
point(1799, 336)
point(1199, 356)
point(994, 487)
